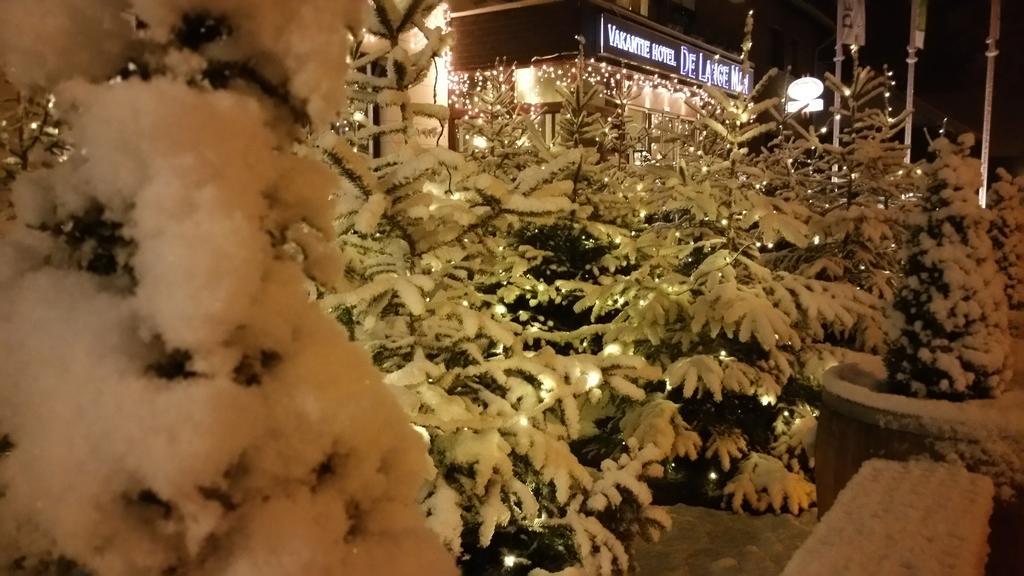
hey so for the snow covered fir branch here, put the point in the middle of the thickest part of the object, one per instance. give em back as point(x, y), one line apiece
point(269, 323)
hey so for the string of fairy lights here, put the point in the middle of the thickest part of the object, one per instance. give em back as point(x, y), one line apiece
point(464, 96)
point(463, 85)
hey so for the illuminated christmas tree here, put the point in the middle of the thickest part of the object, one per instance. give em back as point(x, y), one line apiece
point(466, 271)
point(741, 342)
point(857, 191)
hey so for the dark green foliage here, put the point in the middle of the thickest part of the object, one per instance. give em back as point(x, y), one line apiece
point(60, 566)
point(571, 253)
point(218, 495)
point(174, 365)
point(149, 500)
point(97, 244)
point(692, 482)
point(201, 28)
point(250, 369)
point(6, 445)
point(549, 549)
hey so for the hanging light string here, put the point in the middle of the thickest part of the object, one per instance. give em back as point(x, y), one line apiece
point(463, 84)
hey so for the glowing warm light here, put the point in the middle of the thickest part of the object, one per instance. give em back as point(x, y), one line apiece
point(593, 379)
point(713, 476)
point(509, 560)
point(612, 349)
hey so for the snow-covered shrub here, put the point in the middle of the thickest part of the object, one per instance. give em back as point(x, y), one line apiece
point(951, 336)
point(1007, 207)
point(170, 399)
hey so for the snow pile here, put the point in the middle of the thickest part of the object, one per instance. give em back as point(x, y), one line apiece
point(953, 337)
point(76, 38)
point(898, 518)
point(977, 419)
point(986, 436)
point(303, 45)
point(171, 401)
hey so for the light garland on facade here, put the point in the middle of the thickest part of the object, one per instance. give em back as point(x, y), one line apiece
point(462, 84)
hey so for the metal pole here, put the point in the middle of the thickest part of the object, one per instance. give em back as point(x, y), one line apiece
point(908, 130)
point(993, 35)
point(839, 71)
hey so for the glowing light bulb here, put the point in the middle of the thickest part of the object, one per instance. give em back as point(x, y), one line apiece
point(593, 379)
point(612, 349)
point(500, 309)
point(713, 476)
point(509, 560)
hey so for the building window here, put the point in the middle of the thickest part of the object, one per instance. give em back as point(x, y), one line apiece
point(678, 15)
point(641, 7)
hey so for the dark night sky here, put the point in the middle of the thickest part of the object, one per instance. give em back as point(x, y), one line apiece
point(951, 68)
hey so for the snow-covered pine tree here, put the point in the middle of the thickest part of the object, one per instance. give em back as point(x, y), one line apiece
point(951, 336)
point(500, 133)
point(400, 48)
point(1007, 207)
point(459, 273)
point(735, 337)
point(625, 432)
point(857, 191)
point(172, 400)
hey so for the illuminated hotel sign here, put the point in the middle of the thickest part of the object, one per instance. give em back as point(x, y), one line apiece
point(628, 41)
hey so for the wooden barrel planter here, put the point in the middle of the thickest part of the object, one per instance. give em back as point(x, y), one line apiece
point(860, 421)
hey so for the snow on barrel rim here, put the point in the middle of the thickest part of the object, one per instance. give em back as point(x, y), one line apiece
point(857, 389)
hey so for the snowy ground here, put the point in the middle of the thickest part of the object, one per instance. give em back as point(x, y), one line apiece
point(705, 542)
